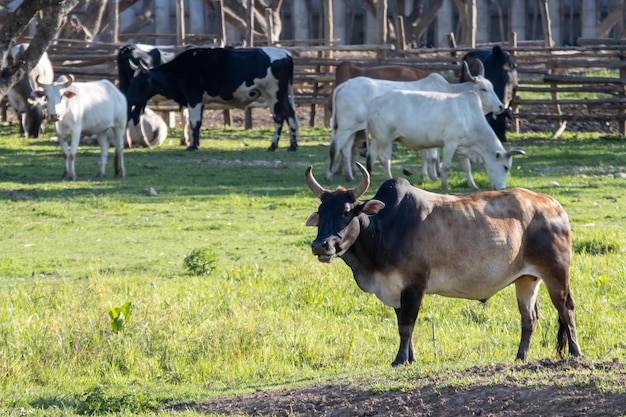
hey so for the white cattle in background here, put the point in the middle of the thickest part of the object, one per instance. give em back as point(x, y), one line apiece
point(87, 108)
point(422, 120)
point(151, 130)
point(351, 102)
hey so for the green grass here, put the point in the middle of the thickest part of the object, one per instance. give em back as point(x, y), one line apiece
point(268, 314)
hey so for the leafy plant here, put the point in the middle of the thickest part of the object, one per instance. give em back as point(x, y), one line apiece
point(201, 261)
point(119, 316)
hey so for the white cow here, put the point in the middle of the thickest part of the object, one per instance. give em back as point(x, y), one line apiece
point(151, 130)
point(87, 108)
point(421, 120)
point(351, 102)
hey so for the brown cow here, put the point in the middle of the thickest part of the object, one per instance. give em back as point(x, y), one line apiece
point(347, 70)
point(406, 242)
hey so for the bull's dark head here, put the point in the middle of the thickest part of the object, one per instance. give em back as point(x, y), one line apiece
point(139, 91)
point(337, 218)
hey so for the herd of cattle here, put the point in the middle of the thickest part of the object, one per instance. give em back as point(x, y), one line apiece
point(373, 99)
point(404, 242)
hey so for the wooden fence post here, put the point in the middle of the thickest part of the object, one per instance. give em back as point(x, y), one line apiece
point(180, 22)
point(401, 35)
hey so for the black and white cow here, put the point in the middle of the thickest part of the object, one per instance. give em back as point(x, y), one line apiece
point(501, 70)
point(132, 56)
point(231, 76)
point(30, 111)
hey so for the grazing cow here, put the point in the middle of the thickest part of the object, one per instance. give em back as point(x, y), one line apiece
point(151, 131)
point(30, 111)
point(422, 120)
point(132, 56)
point(87, 108)
point(351, 102)
point(406, 242)
point(347, 70)
point(501, 70)
point(232, 76)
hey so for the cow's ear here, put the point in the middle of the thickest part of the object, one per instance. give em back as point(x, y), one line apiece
point(372, 207)
point(498, 155)
point(39, 93)
point(313, 219)
point(69, 94)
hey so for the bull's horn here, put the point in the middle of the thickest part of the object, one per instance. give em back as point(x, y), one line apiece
point(315, 186)
point(364, 185)
point(467, 72)
point(481, 70)
point(515, 151)
point(69, 81)
point(39, 83)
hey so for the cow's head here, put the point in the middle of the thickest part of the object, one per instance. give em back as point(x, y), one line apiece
point(139, 91)
point(498, 165)
point(34, 116)
point(337, 218)
point(505, 74)
point(54, 94)
point(484, 88)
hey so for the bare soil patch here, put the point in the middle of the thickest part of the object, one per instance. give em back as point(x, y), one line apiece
point(541, 388)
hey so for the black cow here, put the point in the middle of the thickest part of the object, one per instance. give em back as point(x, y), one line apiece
point(231, 76)
point(406, 242)
point(132, 56)
point(140, 55)
point(501, 70)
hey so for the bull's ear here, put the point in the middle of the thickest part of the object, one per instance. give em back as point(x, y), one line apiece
point(372, 207)
point(313, 219)
point(39, 93)
point(69, 94)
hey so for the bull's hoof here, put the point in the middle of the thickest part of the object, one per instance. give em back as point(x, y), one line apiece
point(272, 147)
point(192, 148)
point(292, 148)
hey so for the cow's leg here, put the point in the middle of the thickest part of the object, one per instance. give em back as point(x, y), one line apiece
point(446, 163)
point(195, 120)
point(385, 158)
point(104, 152)
point(333, 152)
point(72, 153)
point(564, 303)
point(372, 155)
point(118, 161)
point(184, 134)
point(467, 168)
point(66, 157)
point(410, 301)
point(346, 152)
point(526, 289)
point(430, 163)
point(283, 110)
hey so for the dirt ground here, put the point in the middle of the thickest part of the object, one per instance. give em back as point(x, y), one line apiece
point(540, 388)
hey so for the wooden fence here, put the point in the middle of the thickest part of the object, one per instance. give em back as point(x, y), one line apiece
point(551, 79)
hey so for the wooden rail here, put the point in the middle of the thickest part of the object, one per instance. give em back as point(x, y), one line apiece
point(596, 67)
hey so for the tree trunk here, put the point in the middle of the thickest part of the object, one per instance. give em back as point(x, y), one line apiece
point(54, 12)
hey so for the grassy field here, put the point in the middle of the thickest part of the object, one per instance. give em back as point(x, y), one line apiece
point(218, 289)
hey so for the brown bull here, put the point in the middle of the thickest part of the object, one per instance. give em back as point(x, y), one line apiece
point(406, 242)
